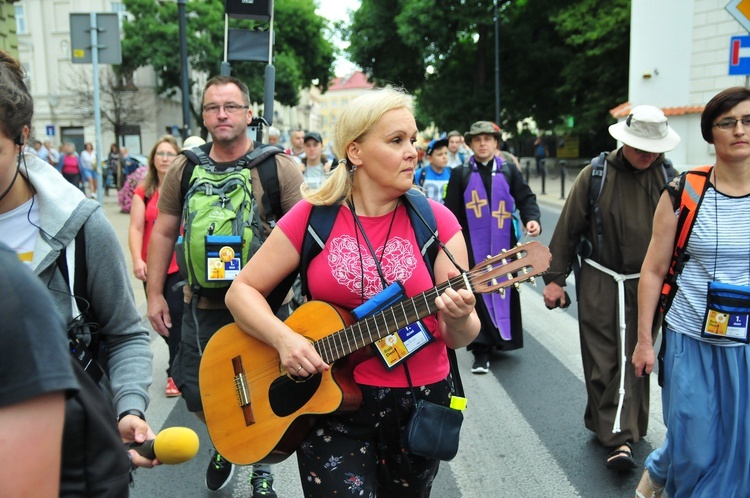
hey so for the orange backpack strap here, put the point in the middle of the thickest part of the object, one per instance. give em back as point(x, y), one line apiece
point(692, 188)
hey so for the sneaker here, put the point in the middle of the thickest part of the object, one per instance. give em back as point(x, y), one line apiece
point(262, 483)
point(481, 363)
point(219, 472)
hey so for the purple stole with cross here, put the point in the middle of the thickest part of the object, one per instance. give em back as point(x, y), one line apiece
point(490, 228)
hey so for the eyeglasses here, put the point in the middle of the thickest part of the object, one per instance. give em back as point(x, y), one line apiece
point(228, 108)
point(166, 154)
point(730, 123)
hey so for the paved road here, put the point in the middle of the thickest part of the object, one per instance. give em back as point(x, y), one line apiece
point(523, 434)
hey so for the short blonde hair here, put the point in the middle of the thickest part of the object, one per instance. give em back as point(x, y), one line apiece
point(354, 123)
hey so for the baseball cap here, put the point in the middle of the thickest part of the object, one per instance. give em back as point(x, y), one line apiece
point(313, 135)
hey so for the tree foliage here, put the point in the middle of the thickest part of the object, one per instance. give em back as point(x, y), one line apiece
point(303, 53)
point(558, 58)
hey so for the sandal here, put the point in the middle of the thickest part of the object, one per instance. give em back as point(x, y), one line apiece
point(646, 488)
point(171, 390)
point(622, 458)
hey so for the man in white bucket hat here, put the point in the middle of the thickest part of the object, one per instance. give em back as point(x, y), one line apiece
point(607, 221)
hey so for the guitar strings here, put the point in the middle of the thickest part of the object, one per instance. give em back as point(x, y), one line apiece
point(339, 351)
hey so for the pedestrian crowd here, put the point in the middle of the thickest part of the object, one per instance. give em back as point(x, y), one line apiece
point(286, 242)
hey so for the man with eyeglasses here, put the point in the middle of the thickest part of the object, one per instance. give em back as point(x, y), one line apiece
point(226, 115)
point(633, 177)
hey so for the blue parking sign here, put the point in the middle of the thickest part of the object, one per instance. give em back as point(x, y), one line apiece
point(739, 56)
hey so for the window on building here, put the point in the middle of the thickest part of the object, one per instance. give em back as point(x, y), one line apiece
point(20, 20)
point(344, 102)
point(334, 104)
point(119, 9)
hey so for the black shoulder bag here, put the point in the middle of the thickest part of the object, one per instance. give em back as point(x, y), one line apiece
point(433, 430)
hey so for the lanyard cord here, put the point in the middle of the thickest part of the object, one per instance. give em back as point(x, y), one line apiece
point(377, 260)
point(716, 221)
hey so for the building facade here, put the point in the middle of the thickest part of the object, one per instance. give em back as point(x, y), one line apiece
point(340, 92)
point(679, 59)
point(8, 38)
point(61, 89)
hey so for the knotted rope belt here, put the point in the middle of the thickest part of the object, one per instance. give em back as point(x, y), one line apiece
point(620, 279)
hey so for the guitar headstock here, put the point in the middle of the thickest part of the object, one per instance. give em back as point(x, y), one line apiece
point(510, 267)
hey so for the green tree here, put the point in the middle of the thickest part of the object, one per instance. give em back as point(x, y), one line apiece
point(596, 78)
point(553, 63)
point(303, 53)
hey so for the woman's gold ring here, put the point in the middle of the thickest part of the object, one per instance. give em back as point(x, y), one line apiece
point(299, 368)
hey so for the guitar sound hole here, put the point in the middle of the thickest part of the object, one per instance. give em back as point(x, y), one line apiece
point(287, 396)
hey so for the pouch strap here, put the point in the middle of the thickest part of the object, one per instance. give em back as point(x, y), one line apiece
point(458, 386)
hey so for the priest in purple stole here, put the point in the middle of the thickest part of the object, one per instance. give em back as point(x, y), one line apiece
point(483, 194)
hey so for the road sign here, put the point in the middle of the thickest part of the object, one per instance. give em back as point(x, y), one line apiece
point(50, 130)
point(740, 10)
point(108, 38)
point(739, 56)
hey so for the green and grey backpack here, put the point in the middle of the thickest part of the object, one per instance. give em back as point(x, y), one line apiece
point(221, 224)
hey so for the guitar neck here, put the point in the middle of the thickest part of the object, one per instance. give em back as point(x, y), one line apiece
point(373, 328)
point(491, 275)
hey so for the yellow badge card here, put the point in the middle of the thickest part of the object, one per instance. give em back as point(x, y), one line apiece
point(399, 345)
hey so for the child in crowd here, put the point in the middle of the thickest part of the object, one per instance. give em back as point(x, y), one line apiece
point(434, 177)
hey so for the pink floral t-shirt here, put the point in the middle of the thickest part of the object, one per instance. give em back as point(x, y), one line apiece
point(345, 274)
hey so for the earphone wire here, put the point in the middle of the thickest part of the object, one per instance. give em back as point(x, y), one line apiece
point(75, 321)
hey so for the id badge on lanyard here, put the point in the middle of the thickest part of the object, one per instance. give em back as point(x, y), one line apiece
point(727, 311)
point(396, 347)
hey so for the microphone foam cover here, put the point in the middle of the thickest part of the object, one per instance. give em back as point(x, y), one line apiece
point(176, 445)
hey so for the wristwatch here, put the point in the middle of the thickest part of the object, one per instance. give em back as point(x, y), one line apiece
point(132, 411)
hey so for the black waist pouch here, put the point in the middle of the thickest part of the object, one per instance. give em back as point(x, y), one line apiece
point(433, 431)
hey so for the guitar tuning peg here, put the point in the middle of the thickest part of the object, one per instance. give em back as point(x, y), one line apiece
point(517, 286)
point(532, 281)
point(502, 293)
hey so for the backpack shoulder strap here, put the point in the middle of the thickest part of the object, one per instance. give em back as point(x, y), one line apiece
point(80, 282)
point(319, 226)
point(598, 176)
point(195, 156)
point(465, 175)
point(263, 158)
point(669, 170)
point(425, 226)
point(692, 189)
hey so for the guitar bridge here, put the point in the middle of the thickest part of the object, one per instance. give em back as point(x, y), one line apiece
point(242, 389)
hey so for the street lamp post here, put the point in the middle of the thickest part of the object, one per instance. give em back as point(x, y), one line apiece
point(497, 66)
point(184, 76)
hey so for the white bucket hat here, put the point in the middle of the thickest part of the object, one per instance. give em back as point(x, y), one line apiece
point(646, 128)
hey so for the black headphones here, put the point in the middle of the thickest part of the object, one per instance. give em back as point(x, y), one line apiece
point(19, 140)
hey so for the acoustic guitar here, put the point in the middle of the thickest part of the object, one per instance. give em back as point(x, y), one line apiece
point(256, 411)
